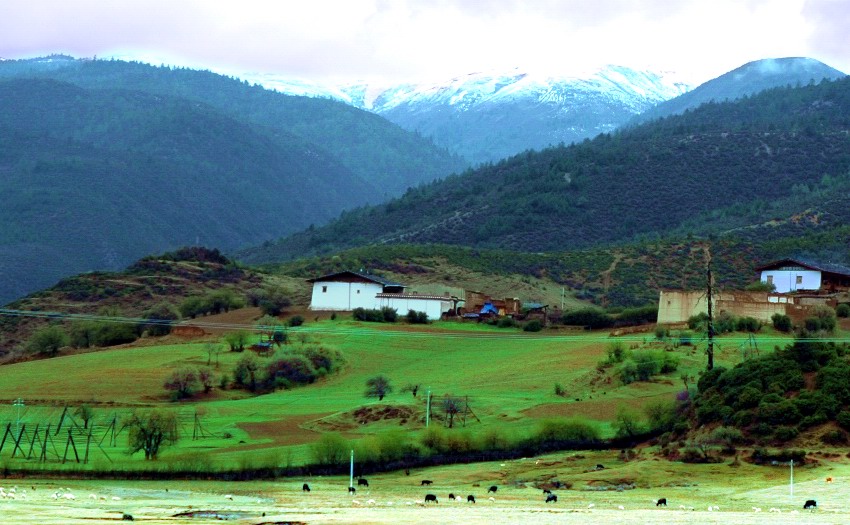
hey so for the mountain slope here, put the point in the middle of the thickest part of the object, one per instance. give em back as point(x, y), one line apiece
point(749, 79)
point(92, 179)
point(379, 152)
point(725, 160)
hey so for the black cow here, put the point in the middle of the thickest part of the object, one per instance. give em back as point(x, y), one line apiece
point(552, 498)
point(662, 501)
point(362, 482)
point(470, 499)
point(452, 496)
point(600, 466)
point(547, 491)
point(810, 504)
point(352, 490)
point(431, 497)
point(492, 489)
point(305, 488)
point(426, 482)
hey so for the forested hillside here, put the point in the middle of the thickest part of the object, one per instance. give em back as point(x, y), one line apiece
point(767, 159)
point(123, 160)
point(379, 152)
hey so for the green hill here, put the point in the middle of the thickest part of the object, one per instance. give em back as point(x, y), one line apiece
point(725, 166)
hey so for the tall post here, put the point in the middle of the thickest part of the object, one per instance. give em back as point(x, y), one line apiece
point(428, 409)
point(19, 404)
point(351, 471)
point(709, 285)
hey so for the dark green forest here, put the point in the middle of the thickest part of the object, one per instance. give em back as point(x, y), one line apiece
point(780, 158)
point(379, 152)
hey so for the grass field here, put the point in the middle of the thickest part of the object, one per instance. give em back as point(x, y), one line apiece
point(508, 376)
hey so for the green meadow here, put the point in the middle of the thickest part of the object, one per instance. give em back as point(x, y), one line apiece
point(506, 377)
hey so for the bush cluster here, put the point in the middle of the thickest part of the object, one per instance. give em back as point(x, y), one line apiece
point(383, 315)
point(767, 396)
point(214, 302)
point(414, 317)
point(285, 369)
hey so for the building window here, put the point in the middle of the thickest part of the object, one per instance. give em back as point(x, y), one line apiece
point(358, 291)
point(769, 279)
point(324, 289)
point(799, 279)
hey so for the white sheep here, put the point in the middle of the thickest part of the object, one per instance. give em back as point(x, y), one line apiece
point(756, 509)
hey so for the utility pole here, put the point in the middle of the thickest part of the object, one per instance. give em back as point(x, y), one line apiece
point(709, 285)
point(19, 404)
point(351, 471)
point(792, 478)
point(428, 409)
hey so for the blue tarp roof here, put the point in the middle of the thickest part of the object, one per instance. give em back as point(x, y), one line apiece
point(489, 309)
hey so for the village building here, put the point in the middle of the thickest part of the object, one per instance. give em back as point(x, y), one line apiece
point(800, 286)
point(791, 275)
point(345, 291)
point(434, 306)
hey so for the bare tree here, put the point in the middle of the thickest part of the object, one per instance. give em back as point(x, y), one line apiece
point(378, 386)
point(452, 406)
point(150, 430)
point(86, 413)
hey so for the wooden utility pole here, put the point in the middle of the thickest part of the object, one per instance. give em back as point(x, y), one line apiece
point(709, 285)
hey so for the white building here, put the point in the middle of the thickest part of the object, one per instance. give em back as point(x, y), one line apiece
point(791, 275)
point(433, 305)
point(345, 291)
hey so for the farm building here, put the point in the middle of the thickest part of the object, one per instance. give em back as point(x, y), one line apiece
point(791, 275)
point(345, 291)
point(476, 301)
point(433, 305)
point(675, 306)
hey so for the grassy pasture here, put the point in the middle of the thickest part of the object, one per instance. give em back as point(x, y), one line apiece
point(508, 375)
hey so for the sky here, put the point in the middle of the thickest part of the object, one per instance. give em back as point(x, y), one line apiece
point(430, 40)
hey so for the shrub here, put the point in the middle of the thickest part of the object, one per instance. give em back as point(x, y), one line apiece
point(159, 319)
point(637, 316)
point(628, 372)
point(182, 383)
point(371, 316)
point(698, 322)
point(559, 390)
point(592, 318)
point(390, 315)
point(783, 434)
point(662, 415)
point(843, 419)
point(573, 431)
point(834, 437)
point(616, 352)
point(627, 422)
point(414, 317)
point(330, 450)
point(506, 322)
point(288, 370)
point(533, 326)
point(725, 323)
point(47, 341)
point(748, 324)
point(781, 322)
point(842, 310)
point(295, 320)
point(245, 373)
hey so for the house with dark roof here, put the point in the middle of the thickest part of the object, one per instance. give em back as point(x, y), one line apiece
point(793, 275)
point(345, 291)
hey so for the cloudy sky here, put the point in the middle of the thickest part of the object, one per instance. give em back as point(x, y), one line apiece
point(395, 40)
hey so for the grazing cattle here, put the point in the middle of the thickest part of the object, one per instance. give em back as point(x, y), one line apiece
point(305, 488)
point(407, 472)
point(600, 466)
point(426, 482)
point(362, 482)
point(127, 517)
point(352, 490)
point(810, 504)
point(551, 498)
point(452, 496)
point(470, 499)
point(547, 491)
point(431, 497)
point(493, 489)
point(662, 501)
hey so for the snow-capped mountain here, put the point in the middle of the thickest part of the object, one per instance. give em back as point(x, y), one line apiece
point(489, 116)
